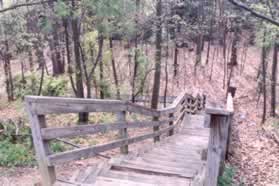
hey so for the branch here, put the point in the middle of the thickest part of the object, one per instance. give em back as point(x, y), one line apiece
point(22, 5)
point(256, 14)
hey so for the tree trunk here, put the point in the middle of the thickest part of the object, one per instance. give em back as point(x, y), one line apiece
point(68, 55)
point(264, 57)
point(175, 62)
point(30, 57)
point(157, 76)
point(114, 70)
point(56, 57)
point(8, 72)
point(135, 73)
point(101, 67)
point(41, 79)
point(22, 68)
point(167, 76)
point(274, 80)
point(210, 39)
point(87, 78)
point(199, 52)
point(83, 117)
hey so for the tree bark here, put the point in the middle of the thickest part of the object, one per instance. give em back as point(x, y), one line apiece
point(167, 75)
point(8, 72)
point(157, 76)
point(68, 55)
point(175, 62)
point(274, 80)
point(56, 57)
point(135, 73)
point(114, 70)
point(83, 117)
point(101, 67)
point(264, 56)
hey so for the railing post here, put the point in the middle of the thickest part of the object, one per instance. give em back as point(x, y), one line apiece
point(156, 129)
point(171, 132)
point(188, 103)
point(217, 148)
point(204, 100)
point(123, 133)
point(41, 146)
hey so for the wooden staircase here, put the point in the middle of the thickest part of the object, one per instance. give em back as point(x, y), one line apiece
point(191, 142)
point(176, 160)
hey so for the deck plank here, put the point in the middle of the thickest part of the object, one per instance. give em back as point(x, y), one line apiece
point(176, 160)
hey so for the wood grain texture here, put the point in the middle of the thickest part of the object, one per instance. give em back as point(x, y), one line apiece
point(93, 151)
point(41, 147)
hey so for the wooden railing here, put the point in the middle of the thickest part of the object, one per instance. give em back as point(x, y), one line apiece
point(220, 129)
point(39, 107)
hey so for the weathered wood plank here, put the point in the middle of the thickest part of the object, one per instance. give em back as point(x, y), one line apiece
point(187, 164)
point(41, 147)
point(62, 132)
point(154, 170)
point(131, 107)
point(61, 108)
point(151, 179)
point(123, 133)
point(104, 181)
point(93, 151)
point(171, 132)
point(230, 106)
point(215, 149)
point(217, 111)
point(66, 100)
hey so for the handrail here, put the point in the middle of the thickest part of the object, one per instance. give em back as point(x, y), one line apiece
point(37, 107)
point(62, 105)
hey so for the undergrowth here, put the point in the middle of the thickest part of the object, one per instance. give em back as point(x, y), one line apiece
point(227, 178)
point(15, 154)
point(52, 86)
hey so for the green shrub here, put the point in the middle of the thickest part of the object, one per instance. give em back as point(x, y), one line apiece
point(52, 86)
point(105, 87)
point(15, 132)
point(15, 154)
point(29, 87)
point(227, 178)
point(57, 147)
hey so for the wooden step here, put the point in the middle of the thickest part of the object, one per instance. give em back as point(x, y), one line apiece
point(184, 163)
point(147, 178)
point(171, 157)
point(181, 171)
point(104, 181)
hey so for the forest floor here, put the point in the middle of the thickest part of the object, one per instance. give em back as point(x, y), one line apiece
point(254, 152)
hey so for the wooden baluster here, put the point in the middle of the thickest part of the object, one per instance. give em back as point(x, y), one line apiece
point(41, 146)
point(204, 100)
point(188, 102)
point(171, 132)
point(193, 107)
point(156, 129)
point(123, 133)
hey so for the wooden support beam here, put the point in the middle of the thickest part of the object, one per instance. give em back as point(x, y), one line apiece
point(214, 156)
point(87, 152)
point(41, 147)
point(123, 133)
point(80, 130)
point(171, 132)
point(58, 105)
point(220, 128)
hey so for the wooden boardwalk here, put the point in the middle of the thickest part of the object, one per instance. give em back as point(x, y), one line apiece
point(191, 141)
point(176, 160)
